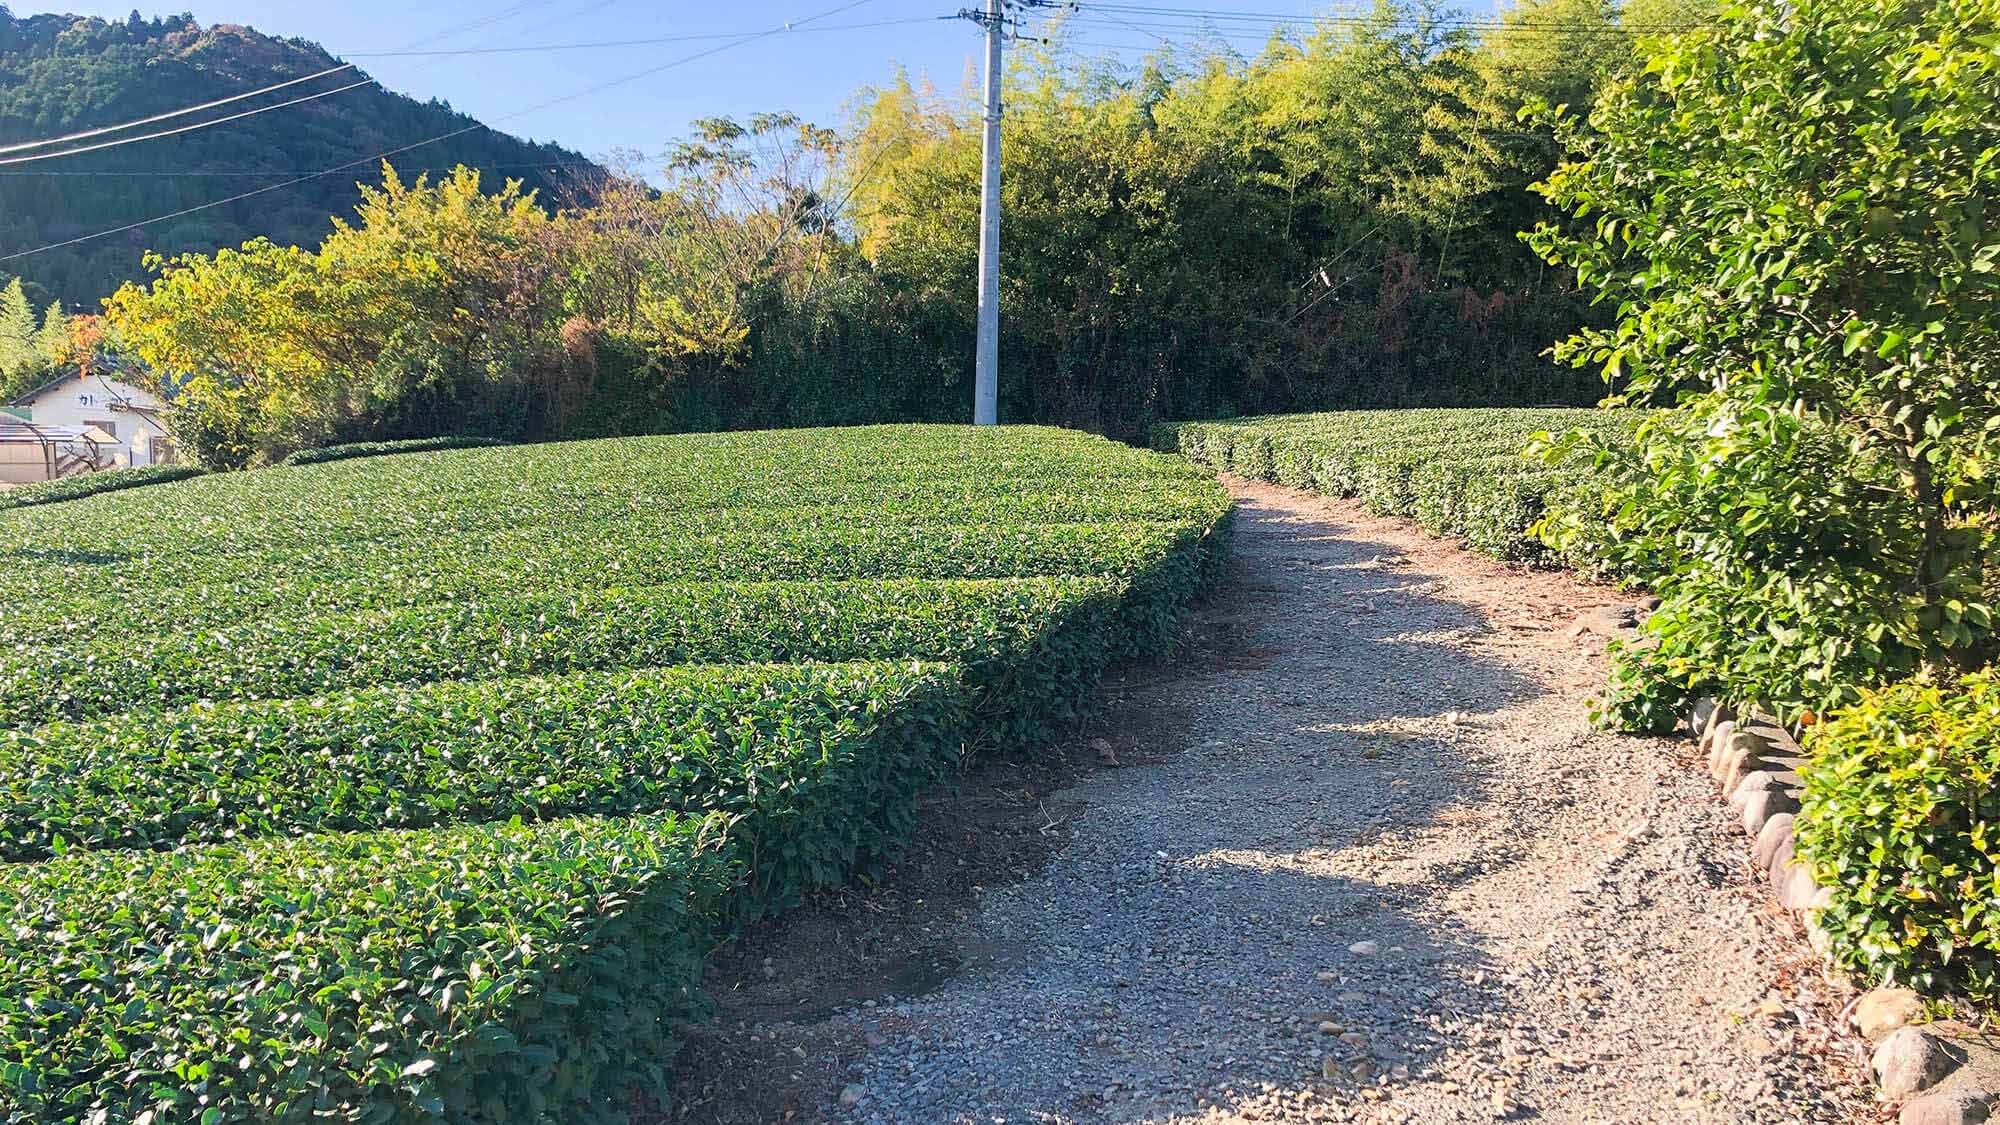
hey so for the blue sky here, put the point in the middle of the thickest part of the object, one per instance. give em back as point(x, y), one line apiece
point(812, 73)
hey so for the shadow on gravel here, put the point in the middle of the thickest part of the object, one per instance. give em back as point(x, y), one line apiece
point(1188, 922)
point(781, 1044)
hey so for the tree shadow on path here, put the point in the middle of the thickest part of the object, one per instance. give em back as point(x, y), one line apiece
point(1210, 931)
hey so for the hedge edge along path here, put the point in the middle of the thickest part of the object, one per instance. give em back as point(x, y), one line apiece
point(1456, 472)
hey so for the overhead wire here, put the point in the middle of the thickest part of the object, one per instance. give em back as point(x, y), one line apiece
point(31, 157)
point(1338, 17)
point(608, 43)
point(1173, 26)
point(745, 39)
point(105, 130)
point(194, 173)
point(1163, 40)
point(574, 14)
point(1175, 19)
point(506, 13)
point(1483, 31)
point(22, 146)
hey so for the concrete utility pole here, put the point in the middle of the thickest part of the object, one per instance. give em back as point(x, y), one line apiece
point(986, 359)
point(986, 363)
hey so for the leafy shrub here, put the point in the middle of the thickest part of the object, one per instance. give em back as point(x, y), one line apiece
point(1901, 819)
point(355, 449)
point(530, 973)
point(1783, 571)
point(215, 427)
point(1790, 209)
point(90, 484)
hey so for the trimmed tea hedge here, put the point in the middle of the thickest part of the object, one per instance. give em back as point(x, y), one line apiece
point(991, 625)
point(1901, 818)
point(355, 449)
point(363, 791)
point(887, 475)
point(1456, 472)
point(728, 739)
point(86, 594)
point(529, 973)
point(90, 484)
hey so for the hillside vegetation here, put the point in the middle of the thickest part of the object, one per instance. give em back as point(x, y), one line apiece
point(422, 783)
point(61, 74)
point(1333, 222)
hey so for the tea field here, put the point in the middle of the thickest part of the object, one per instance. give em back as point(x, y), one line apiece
point(1456, 472)
point(417, 787)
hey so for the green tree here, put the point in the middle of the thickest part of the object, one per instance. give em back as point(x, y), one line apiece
point(21, 363)
point(53, 339)
point(1794, 212)
point(437, 312)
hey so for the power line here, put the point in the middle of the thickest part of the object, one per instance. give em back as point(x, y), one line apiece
point(185, 128)
point(1150, 24)
point(603, 43)
point(158, 117)
point(1163, 41)
point(574, 14)
point(1176, 36)
point(506, 13)
point(196, 173)
point(1293, 18)
point(747, 38)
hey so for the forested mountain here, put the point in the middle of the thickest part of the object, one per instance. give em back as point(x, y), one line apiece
point(62, 74)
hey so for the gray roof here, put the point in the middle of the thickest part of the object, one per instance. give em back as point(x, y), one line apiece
point(115, 373)
point(27, 397)
point(13, 429)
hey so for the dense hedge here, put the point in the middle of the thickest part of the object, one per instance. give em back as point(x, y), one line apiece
point(991, 625)
point(387, 660)
point(728, 738)
point(167, 594)
point(1456, 472)
point(355, 449)
point(489, 525)
point(90, 484)
point(529, 973)
point(1901, 817)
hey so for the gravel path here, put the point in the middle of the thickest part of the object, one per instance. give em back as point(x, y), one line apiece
point(1392, 876)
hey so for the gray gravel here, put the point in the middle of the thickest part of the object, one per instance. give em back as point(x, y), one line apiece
point(1393, 876)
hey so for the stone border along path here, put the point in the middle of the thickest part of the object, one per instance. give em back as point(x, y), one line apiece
point(1393, 875)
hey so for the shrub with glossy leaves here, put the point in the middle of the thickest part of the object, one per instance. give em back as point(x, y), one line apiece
point(1792, 209)
point(1901, 819)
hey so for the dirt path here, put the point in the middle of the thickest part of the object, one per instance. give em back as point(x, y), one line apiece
point(1362, 858)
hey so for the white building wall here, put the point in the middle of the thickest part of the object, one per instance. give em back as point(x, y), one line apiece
point(93, 400)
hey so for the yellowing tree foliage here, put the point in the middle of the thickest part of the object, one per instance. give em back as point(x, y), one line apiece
point(435, 304)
